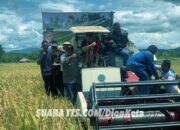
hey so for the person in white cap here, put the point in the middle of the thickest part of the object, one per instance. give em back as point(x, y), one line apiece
point(65, 45)
point(71, 73)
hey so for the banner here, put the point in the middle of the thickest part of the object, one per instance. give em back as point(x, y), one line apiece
point(63, 21)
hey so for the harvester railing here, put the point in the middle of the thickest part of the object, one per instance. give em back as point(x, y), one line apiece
point(157, 102)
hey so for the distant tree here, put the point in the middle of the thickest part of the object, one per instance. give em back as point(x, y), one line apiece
point(165, 54)
point(1, 51)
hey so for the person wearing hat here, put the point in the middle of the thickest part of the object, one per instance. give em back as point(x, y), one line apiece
point(71, 73)
point(142, 64)
point(65, 45)
point(60, 48)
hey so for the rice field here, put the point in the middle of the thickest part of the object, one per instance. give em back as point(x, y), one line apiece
point(22, 93)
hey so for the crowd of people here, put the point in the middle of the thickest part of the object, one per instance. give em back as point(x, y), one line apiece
point(60, 63)
point(111, 45)
point(59, 69)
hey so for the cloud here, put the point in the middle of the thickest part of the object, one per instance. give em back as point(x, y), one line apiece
point(147, 21)
point(64, 7)
point(162, 40)
point(2, 37)
point(157, 24)
point(17, 34)
point(173, 1)
point(12, 46)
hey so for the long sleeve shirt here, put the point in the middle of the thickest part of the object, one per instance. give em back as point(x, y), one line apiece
point(145, 59)
point(45, 60)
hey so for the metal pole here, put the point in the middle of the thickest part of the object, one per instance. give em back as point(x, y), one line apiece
point(139, 83)
point(136, 97)
point(141, 106)
point(140, 126)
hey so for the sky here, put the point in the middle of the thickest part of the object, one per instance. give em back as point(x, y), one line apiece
point(147, 21)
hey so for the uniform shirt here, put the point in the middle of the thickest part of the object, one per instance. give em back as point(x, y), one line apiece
point(170, 75)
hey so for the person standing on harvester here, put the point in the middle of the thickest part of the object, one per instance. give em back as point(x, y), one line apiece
point(142, 64)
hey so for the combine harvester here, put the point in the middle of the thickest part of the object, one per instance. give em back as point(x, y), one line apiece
point(102, 87)
point(103, 91)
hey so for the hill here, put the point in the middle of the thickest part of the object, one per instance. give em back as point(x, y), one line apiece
point(169, 53)
point(26, 50)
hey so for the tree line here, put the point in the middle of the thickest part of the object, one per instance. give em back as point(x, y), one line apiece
point(170, 53)
point(10, 57)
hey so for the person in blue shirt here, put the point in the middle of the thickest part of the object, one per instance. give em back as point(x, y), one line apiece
point(45, 60)
point(142, 64)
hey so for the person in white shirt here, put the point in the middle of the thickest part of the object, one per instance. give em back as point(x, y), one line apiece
point(169, 74)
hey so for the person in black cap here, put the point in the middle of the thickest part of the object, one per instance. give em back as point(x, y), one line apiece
point(142, 64)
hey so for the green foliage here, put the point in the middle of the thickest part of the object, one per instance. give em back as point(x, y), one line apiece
point(1, 51)
point(15, 57)
point(166, 54)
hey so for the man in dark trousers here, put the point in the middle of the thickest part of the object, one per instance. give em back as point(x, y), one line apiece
point(45, 61)
point(142, 64)
point(57, 73)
